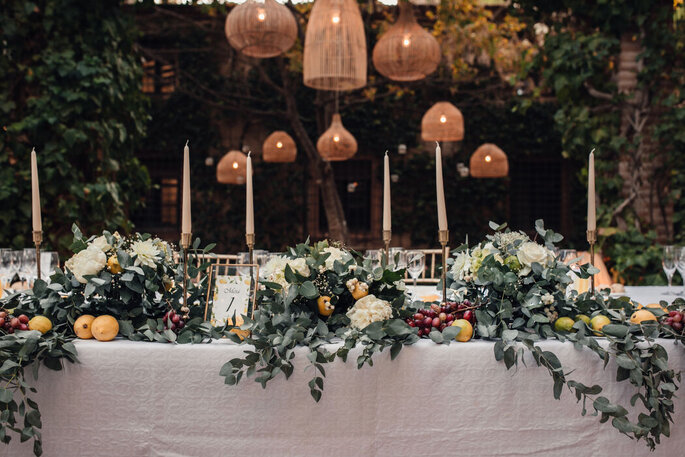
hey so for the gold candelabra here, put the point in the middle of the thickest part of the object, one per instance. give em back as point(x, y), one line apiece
point(387, 235)
point(443, 238)
point(185, 245)
point(37, 240)
point(592, 239)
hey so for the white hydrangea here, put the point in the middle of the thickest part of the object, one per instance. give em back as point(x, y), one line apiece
point(274, 270)
point(335, 254)
point(145, 253)
point(504, 240)
point(547, 299)
point(89, 261)
point(368, 310)
point(101, 243)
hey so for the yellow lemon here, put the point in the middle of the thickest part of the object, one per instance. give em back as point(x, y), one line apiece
point(105, 328)
point(40, 323)
point(598, 322)
point(82, 327)
point(564, 324)
point(113, 265)
point(466, 332)
point(358, 292)
point(584, 318)
point(641, 315)
point(653, 305)
point(324, 305)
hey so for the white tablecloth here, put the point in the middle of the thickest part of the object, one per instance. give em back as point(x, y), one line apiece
point(150, 399)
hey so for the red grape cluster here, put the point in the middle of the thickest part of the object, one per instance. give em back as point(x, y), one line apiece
point(439, 317)
point(676, 320)
point(173, 321)
point(10, 323)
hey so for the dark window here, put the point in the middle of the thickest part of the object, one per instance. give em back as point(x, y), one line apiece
point(353, 180)
point(158, 78)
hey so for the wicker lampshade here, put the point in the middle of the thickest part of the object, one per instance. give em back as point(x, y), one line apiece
point(279, 147)
point(336, 143)
point(489, 161)
point(261, 28)
point(442, 122)
point(335, 46)
point(406, 52)
point(231, 168)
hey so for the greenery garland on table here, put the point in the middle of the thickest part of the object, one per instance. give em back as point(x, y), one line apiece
point(322, 293)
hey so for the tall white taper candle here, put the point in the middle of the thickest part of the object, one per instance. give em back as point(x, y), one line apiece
point(186, 222)
point(387, 215)
point(249, 205)
point(35, 194)
point(439, 188)
point(591, 211)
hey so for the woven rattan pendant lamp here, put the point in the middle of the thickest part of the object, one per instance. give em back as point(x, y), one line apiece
point(442, 122)
point(231, 168)
point(336, 143)
point(335, 46)
point(261, 28)
point(279, 147)
point(406, 52)
point(489, 161)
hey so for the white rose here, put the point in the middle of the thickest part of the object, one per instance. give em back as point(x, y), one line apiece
point(531, 252)
point(462, 265)
point(145, 253)
point(368, 310)
point(274, 270)
point(89, 261)
point(101, 243)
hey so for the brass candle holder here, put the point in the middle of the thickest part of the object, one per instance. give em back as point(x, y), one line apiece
point(443, 238)
point(186, 238)
point(387, 235)
point(249, 239)
point(592, 239)
point(38, 240)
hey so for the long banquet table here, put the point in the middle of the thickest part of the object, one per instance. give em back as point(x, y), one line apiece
point(148, 399)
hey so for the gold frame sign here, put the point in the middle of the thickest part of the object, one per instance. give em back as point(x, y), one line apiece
point(225, 289)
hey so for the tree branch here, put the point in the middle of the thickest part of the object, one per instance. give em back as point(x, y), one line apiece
point(596, 93)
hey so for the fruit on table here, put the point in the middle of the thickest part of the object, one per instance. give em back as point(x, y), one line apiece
point(82, 327)
point(40, 323)
point(105, 328)
point(584, 318)
point(175, 321)
point(642, 315)
point(653, 305)
point(564, 324)
point(466, 332)
point(113, 265)
point(11, 323)
point(439, 317)
point(324, 305)
point(598, 322)
point(676, 320)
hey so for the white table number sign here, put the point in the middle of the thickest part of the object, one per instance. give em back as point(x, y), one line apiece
point(231, 296)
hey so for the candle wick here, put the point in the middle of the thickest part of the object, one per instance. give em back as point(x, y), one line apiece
point(248, 153)
point(187, 141)
point(593, 151)
point(386, 152)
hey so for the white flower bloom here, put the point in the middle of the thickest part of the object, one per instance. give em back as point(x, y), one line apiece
point(462, 265)
point(531, 252)
point(274, 270)
point(400, 285)
point(164, 249)
point(368, 310)
point(335, 254)
point(505, 240)
point(145, 253)
point(101, 243)
point(547, 299)
point(352, 284)
point(89, 261)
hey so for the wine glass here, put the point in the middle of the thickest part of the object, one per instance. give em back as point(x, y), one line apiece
point(416, 262)
point(680, 265)
point(669, 263)
point(566, 255)
point(5, 267)
point(397, 258)
point(16, 263)
point(30, 268)
point(49, 260)
point(375, 256)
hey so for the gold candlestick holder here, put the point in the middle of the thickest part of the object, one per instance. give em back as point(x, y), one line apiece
point(387, 236)
point(249, 239)
point(592, 239)
point(443, 238)
point(38, 240)
point(186, 238)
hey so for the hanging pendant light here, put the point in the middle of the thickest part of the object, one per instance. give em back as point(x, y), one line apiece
point(279, 147)
point(442, 122)
point(231, 168)
point(336, 143)
point(261, 28)
point(335, 46)
point(406, 52)
point(489, 161)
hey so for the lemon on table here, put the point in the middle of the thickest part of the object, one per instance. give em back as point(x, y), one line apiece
point(40, 323)
point(82, 327)
point(466, 332)
point(598, 322)
point(113, 265)
point(324, 305)
point(584, 318)
point(642, 315)
point(105, 328)
point(564, 324)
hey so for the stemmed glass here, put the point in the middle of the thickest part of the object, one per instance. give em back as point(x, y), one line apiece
point(680, 265)
point(416, 262)
point(669, 263)
point(397, 258)
point(16, 263)
point(5, 267)
point(49, 260)
point(30, 268)
point(375, 256)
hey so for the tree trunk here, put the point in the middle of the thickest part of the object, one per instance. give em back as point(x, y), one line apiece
point(335, 216)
